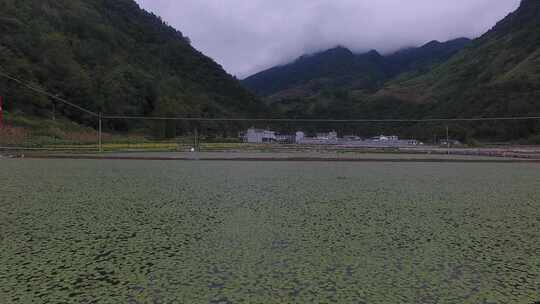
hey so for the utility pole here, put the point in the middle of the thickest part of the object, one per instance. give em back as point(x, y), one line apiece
point(448, 140)
point(100, 145)
point(196, 140)
point(1, 112)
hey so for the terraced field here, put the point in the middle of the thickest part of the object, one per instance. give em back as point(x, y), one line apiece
point(74, 231)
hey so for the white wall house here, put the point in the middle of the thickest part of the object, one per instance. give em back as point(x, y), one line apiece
point(259, 136)
point(383, 138)
point(285, 138)
point(328, 136)
point(300, 136)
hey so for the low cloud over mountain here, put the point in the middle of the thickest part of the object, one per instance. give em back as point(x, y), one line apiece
point(249, 36)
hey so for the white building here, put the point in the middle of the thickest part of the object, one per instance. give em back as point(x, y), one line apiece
point(259, 136)
point(383, 138)
point(285, 138)
point(300, 136)
point(330, 136)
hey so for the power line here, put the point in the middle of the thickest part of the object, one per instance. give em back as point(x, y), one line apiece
point(40, 91)
point(315, 120)
point(290, 120)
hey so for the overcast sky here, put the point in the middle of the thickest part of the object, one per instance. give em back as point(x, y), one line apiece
point(247, 36)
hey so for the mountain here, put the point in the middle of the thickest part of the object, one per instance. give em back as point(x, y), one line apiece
point(109, 56)
point(424, 57)
point(497, 75)
point(334, 67)
point(340, 68)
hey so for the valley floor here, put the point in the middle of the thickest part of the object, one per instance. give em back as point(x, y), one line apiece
point(120, 231)
point(171, 151)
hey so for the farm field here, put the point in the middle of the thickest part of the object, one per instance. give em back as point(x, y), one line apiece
point(313, 155)
point(120, 231)
point(320, 155)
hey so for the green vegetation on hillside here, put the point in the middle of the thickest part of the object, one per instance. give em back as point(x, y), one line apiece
point(109, 56)
point(340, 69)
point(333, 68)
point(499, 74)
point(496, 75)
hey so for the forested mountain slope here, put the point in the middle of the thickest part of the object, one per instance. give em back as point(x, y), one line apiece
point(109, 56)
point(498, 74)
point(339, 68)
point(332, 68)
point(495, 75)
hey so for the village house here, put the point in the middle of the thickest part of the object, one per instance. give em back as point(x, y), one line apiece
point(329, 136)
point(259, 136)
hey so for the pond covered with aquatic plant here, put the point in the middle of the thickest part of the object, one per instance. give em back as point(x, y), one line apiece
point(74, 231)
